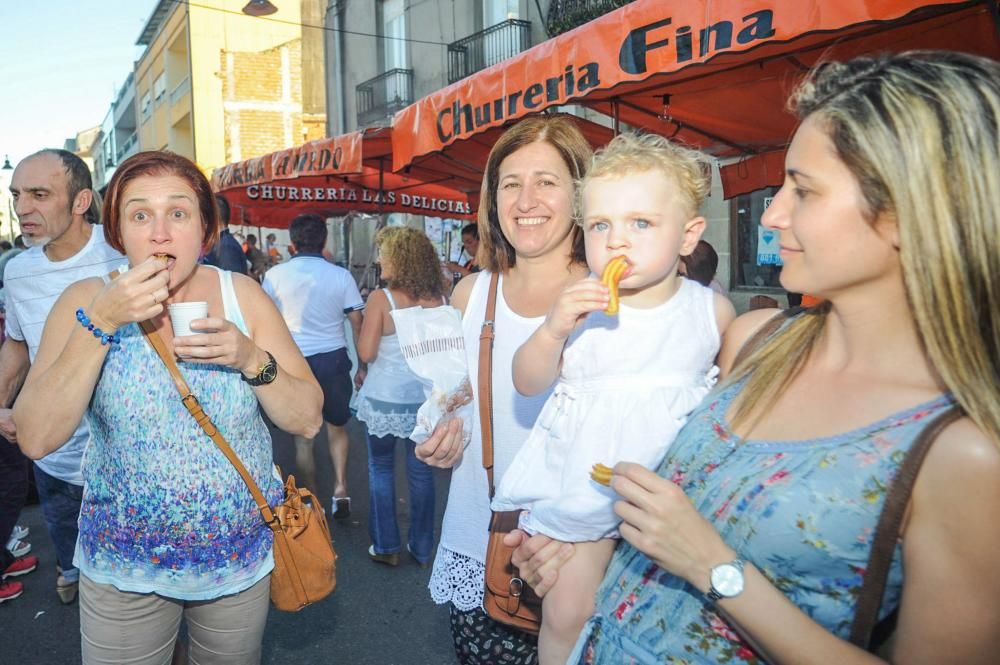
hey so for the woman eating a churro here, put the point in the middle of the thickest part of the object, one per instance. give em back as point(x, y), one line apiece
point(168, 529)
point(631, 354)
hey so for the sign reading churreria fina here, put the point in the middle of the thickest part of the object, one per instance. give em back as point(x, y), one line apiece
point(644, 38)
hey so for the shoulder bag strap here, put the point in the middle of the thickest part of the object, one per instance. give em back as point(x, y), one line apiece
point(887, 531)
point(486, 335)
point(193, 407)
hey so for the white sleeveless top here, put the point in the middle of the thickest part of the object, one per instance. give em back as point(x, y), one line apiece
point(626, 387)
point(458, 573)
point(391, 394)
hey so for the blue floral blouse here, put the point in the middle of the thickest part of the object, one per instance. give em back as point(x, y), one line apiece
point(804, 512)
point(163, 510)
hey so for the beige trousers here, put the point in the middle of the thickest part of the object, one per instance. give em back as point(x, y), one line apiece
point(141, 628)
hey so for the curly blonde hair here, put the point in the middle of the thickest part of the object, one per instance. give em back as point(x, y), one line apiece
point(631, 153)
point(415, 263)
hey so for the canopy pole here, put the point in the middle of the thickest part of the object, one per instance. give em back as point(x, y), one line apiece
point(995, 13)
point(381, 183)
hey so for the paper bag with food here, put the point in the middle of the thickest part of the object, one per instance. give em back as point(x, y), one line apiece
point(434, 348)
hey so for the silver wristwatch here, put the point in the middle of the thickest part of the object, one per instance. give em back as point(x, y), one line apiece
point(725, 581)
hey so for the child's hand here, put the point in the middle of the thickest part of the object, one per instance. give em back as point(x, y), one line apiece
point(575, 302)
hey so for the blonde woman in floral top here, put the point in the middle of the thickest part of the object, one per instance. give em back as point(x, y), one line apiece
point(750, 542)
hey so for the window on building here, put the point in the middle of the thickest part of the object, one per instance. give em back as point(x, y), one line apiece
point(757, 263)
point(394, 34)
point(147, 105)
point(498, 11)
point(160, 86)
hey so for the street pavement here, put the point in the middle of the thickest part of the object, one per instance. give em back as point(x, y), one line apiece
point(377, 616)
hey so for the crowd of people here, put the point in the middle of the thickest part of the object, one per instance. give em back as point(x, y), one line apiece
point(751, 455)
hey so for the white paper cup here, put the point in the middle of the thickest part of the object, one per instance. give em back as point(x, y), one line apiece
point(183, 313)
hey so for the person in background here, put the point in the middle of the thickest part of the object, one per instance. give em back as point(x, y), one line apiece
point(271, 249)
point(470, 249)
point(227, 254)
point(391, 394)
point(168, 529)
point(701, 266)
point(60, 219)
point(315, 297)
point(10, 253)
point(751, 541)
point(258, 259)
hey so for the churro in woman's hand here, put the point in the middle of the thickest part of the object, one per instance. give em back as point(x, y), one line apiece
point(613, 273)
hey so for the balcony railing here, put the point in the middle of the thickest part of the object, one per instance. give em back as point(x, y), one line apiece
point(487, 47)
point(564, 15)
point(380, 97)
point(180, 90)
point(123, 151)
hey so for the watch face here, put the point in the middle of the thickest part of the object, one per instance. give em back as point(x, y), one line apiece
point(727, 579)
point(269, 373)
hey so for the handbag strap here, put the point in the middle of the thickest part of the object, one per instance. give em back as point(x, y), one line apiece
point(486, 335)
point(887, 532)
point(193, 407)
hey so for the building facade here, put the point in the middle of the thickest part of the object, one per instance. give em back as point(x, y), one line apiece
point(218, 86)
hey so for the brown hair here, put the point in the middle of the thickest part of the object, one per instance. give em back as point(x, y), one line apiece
point(159, 162)
point(414, 261)
point(496, 254)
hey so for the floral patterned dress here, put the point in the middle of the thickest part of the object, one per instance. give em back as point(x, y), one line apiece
point(803, 512)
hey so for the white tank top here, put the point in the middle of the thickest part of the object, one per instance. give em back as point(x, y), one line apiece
point(389, 377)
point(458, 567)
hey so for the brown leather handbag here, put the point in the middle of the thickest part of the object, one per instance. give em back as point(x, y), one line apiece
point(506, 597)
point(304, 558)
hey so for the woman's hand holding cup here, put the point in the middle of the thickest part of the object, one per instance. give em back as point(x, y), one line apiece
point(219, 342)
point(135, 295)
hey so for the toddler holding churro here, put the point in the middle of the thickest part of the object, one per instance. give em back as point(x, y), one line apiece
point(630, 364)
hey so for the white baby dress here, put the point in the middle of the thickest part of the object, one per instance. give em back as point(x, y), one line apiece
point(627, 384)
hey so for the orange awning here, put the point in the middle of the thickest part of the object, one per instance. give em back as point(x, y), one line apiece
point(334, 176)
point(714, 73)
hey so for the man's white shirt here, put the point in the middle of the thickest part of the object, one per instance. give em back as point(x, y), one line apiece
point(314, 297)
point(32, 284)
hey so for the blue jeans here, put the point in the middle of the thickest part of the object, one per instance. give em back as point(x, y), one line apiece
point(61, 506)
point(382, 525)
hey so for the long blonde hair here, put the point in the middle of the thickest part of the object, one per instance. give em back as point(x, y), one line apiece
point(921, 133)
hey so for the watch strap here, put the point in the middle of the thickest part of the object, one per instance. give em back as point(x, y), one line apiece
point(259, 379)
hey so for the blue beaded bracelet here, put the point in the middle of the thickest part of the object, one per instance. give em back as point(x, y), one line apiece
point(105, 338)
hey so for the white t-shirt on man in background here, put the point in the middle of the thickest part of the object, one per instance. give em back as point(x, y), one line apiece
point(32, 284)
point(314, 296)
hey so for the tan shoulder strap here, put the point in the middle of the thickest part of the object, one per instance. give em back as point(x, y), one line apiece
point(193, 407)
point(486, 335)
